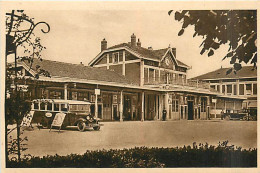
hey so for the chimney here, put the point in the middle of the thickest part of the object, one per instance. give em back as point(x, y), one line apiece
point(103, 44)
point(139, 43)
point(133, 40)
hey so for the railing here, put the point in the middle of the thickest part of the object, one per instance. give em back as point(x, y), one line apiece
point(188, 83)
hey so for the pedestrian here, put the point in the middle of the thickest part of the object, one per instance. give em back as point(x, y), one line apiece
point(222, 114)
point(164, 114)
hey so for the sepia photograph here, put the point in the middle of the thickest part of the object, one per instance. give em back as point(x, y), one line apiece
point(141, 86)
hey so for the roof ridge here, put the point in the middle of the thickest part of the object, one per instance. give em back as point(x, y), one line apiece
point(61, 62)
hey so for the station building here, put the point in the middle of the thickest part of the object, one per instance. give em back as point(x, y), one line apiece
point(242, 84)
point(135, 83)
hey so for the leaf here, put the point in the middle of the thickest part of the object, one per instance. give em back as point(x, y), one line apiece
point(195, 34)
point(178, 16)
point(169, 12)
point(229, 71)
point(229, 54)
point(181, 32)
point(233, 60)
point(237, 66)
point(211, 52)
point(202, 51)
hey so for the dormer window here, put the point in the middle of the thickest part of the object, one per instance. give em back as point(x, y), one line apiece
point(115, 57)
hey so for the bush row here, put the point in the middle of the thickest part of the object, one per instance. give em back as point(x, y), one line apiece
point(144, 157)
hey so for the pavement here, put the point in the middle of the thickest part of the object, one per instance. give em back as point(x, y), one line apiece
point(119, 135)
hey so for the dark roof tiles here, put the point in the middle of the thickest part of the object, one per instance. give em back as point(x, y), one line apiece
point(80, 71)
point(245, 72)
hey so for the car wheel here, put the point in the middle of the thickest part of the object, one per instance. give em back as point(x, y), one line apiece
point(96, 128)
point(245, 118)
point(227, 118)
point(81, 126)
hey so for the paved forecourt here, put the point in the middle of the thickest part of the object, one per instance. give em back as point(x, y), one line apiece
point(118, 135)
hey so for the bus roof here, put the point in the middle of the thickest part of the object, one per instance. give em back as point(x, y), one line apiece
point(71, 102)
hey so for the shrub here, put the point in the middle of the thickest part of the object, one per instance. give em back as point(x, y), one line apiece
point(201, 155)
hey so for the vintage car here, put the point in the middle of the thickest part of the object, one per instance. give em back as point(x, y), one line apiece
point(76, 113)
point(234, 116)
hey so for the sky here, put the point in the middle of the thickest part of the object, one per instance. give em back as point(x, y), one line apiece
point(75, 36)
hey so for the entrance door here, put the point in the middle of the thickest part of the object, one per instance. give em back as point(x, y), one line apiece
point(115, 112)
point(150, 107)
point(107, 106)
point(190, 110)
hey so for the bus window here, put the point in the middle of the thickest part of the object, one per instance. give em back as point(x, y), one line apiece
point(36, 105)
point(56, 107)
point(49, 106)
point(63, 107)
point(42, 106)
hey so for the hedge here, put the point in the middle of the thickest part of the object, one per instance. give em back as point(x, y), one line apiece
point(144, 157)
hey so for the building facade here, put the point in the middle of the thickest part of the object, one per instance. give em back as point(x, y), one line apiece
point(242, 84)
point(135, 83)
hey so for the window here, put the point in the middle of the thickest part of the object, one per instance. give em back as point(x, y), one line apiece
point(42, 106)
point(83, 96)
point(184, 78)
point(203, 104)
point(115, 57)
point(213, 86)
point(175, 104)
point(254, 89)
point(235, 89)
point(121, 56)
point(151, 75)
point(145, 75)
point(49, 106)
point(36, 105)
point(110, 58)
point(241, 89)
point(74, 95)
point(55, 94)
point(229, 89)
point(218, 88)
point(64, 107)
point(223, 88)
point(180, 78)
point(156, 75)
point(56, 107)
point(248, 89)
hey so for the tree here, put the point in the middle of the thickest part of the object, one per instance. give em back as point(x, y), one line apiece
point(237, 28)
point(19, 34)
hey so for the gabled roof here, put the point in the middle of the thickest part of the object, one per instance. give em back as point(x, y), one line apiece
point(79, 71)
point(156, 55)
point(245, 72)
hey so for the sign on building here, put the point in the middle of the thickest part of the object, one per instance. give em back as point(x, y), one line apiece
point(97, 91)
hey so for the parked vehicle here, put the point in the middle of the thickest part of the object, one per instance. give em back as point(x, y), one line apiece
point(77, 113)
point(235, 115)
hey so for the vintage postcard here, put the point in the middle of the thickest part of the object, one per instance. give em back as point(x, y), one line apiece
point(128, 84)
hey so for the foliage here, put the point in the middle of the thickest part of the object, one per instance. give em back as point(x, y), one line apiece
point(19, 34)
point(201, 155)
point(237, 28)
